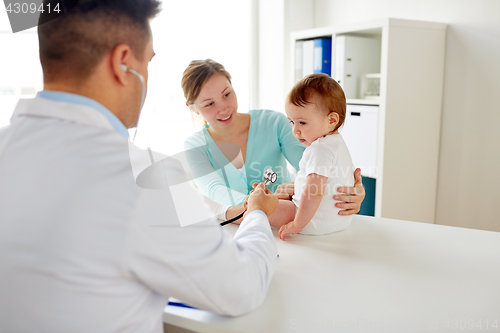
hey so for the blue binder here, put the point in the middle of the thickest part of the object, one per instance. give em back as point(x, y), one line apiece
point(323, 56)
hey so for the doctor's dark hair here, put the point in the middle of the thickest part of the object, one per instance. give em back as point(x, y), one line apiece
point(197, 73)
point(72, 45)
point(322, 90)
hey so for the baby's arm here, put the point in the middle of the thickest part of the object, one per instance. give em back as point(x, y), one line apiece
point(309, 203)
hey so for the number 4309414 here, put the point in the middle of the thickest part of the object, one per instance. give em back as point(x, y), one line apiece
point(32, 8)
point(471, 324)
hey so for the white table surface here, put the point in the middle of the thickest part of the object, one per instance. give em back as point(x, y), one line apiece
point(378, 275)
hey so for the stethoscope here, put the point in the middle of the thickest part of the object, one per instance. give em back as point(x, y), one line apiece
point(268, 177)
point(143, 93)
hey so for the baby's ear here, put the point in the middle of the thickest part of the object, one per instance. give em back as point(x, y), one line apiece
point(333, 118)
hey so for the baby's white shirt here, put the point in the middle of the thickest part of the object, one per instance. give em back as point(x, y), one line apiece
point(328, 157)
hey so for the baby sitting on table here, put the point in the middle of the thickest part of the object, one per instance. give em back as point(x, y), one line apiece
point(316, 108)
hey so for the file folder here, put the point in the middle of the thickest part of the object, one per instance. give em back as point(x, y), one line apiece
point(307, 57)
point(298, 60)
point(323, 56)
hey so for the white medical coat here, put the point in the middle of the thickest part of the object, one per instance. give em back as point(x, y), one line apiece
point(84, 249)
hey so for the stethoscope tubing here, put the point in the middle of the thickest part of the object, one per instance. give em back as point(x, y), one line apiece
point(233, 219)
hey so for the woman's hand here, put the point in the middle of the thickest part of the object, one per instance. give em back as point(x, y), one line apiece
point(354, 196)
point(285, 191)
point(288, 229)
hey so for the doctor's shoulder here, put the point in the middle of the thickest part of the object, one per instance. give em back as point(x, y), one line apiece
point(5, 129)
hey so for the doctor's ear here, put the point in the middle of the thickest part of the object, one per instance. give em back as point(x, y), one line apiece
point(120, 56)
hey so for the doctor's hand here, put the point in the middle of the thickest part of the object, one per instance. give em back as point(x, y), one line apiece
point(261, 198)
point(354, 196)
point(285, 191)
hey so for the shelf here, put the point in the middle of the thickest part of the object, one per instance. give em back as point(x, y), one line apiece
point(404, 136)
point(363, 101)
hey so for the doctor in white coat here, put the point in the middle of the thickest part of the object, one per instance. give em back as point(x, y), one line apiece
point(82, 247)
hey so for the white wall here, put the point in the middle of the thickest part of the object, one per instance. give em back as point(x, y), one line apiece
point(276, 19)
point(469, 175)
point(271, 33)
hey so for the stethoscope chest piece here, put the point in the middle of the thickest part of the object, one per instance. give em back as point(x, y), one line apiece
point(269, 176)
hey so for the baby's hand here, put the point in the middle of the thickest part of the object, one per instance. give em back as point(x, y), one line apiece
point(288, 229)
point(285, 191)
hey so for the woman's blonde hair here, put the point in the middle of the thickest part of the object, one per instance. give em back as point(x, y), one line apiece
point(197, 73)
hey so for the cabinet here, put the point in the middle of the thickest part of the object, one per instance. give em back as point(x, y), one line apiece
point(355, 57)
point(399, 141)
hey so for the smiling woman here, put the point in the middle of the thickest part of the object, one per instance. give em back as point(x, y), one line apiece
point(262, 138)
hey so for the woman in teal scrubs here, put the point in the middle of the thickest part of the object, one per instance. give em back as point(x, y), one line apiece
point(233, 149)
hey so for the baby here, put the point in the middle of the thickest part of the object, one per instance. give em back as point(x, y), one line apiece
point(316, 108)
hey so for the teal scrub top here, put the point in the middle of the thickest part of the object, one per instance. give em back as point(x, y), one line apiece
point(270, 144)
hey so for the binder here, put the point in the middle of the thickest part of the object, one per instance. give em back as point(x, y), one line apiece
point(307, 57)
point(323, 55)
point(298, 60)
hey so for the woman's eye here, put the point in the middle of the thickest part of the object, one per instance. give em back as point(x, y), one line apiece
point(226, 95)
point(208, 105)
point(302, 123)
point(291, 122)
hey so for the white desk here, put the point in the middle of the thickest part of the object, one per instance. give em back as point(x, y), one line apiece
point(379, 275)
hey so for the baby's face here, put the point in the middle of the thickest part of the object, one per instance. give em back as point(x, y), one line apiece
point(308, 123)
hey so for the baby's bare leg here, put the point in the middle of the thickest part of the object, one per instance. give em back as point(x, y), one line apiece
point(284, 213)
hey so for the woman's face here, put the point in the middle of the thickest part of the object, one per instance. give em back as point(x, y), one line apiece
point(217, 102)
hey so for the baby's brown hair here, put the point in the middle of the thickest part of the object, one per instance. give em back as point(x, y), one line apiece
point(322, 90)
